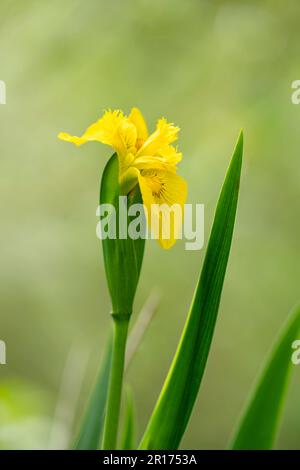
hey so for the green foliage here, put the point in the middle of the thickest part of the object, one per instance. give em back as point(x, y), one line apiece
point(128, 437)
point(174, 406)
point(166, 427)
point(260, 420)
point(92, 426)
point(122, 257)
point(63, 62)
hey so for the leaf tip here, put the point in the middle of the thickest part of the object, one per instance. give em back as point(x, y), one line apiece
point(240, 141)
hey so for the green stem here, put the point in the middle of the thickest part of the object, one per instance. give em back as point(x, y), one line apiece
point(121, 323)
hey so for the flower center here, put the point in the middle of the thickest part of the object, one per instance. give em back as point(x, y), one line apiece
point(155, 182)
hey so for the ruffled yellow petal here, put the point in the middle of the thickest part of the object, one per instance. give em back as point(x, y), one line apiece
point(125, 139)
point(153, 163)
point(104, 130)
point(166, 161)
point(71, 138)
point(164, 194)
point(138, 120)
point(158, 142)
point(170, 155)
point(113, 129)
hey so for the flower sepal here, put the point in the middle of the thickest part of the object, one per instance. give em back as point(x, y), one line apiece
point(122, 256)
point(128, 180)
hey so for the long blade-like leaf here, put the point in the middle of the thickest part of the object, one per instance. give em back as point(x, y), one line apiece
point(91, 429)
point(173, 409)
point(128, 436)
point(260, 420)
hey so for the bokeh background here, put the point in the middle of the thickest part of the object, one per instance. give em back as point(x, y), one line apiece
point(212, 67)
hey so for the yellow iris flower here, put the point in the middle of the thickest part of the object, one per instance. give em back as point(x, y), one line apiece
point(147, 160)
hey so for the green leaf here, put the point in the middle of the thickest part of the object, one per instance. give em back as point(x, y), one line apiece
point(93, 422)
point(260, 421)
point(128, 439)
point(174, 406)
point(122, 257)
point(92, 426)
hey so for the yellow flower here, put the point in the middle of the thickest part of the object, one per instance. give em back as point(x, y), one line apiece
point(147, 160)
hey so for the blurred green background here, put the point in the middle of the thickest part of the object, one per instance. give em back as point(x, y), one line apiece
point(212, 67)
